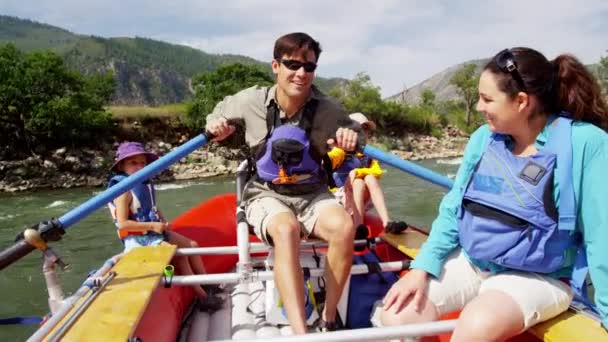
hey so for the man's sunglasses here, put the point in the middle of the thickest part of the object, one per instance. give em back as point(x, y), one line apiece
point(296, 65)
point(506, 63)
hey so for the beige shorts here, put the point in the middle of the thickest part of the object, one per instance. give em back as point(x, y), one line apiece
point(539, 297)
point(265, 204)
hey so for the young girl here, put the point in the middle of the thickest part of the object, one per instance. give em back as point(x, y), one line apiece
point(359, 178)
point(140, 223)
point(529, 195)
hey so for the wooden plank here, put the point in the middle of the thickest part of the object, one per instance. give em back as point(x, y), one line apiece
point(569, 326)
point(408, 242)
point(114, 314)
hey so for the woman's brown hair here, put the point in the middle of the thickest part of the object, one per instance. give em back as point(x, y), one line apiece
point(563, 84)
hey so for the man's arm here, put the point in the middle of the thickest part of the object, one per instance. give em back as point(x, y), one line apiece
point(230, 109)
point(332, 122)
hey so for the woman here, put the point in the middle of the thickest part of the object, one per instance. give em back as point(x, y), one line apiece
point(502, 247)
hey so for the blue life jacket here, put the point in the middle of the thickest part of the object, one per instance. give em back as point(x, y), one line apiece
point(340, 175)
point(286, 159)
point(143, 206)
point(508, 215)
point(365, 290)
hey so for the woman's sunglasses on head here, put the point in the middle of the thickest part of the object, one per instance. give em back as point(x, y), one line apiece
point(296, 65)
point(506, 63)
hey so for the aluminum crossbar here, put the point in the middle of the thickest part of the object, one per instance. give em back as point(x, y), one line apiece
point(371, 334)
point(220, 278)
point(254, 247)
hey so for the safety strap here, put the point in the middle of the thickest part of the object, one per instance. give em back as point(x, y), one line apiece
point(578, 281)
point(373, 267)
point(273, 119)
point(560, 143)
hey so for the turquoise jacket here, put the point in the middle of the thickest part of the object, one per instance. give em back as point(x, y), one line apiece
point(589, 153)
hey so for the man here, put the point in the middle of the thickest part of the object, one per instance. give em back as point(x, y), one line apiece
point(291, 125)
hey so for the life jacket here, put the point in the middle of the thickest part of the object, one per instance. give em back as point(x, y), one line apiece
point(351, 162)
point(508, 215)
point(142, 208)
point(286, 160)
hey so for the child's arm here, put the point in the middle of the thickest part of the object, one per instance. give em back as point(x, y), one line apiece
point(122, 204)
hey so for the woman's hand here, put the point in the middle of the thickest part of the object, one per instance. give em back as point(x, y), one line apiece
point(412, 284)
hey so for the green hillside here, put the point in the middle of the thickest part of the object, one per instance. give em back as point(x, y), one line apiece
point(148, 71)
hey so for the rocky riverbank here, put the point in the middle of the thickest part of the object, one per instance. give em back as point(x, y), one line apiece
point(67, 168)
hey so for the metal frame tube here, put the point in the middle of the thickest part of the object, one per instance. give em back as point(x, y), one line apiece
point(68, 304)
point(85, 304)
point(254, 247)
point(244, 266)
point(52, 284)
point(372, 334)
point(219, 278)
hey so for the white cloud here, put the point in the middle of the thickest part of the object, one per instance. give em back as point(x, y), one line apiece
point(396, 42)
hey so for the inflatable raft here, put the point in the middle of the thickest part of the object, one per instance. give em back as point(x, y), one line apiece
point(141, 303)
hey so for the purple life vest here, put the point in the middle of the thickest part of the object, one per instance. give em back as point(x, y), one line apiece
point(508, 215)
point(286, 160)
point(351, 162)
point(143, 206)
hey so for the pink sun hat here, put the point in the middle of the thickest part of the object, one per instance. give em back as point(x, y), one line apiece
point(362, 120)
point(130, 149)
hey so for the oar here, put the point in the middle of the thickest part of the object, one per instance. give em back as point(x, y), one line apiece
point(21, 320)
point(52, 230)
point(407, 166)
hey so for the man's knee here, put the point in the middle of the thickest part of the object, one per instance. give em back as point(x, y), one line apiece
point(337, 224)
point(284, 230)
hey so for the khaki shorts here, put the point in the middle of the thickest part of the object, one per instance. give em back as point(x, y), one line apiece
point(539, 297)
point(262, 204)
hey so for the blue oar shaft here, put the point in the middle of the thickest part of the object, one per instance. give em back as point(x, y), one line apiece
point(147, 172)
point(407, 166)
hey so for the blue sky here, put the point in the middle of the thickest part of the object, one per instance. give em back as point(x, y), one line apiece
point(397, 43)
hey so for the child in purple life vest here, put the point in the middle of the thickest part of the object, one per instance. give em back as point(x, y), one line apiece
point(359, 180)
point(139, 222)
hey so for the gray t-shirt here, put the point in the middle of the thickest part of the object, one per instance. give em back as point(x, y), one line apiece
point(250, 105)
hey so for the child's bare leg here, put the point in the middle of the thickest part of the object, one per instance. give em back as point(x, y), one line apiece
point(183, 242)
point(375, 191)
point(183, 267)
point(358, 187)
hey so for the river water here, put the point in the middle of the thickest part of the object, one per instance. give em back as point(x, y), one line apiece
point(91, 241)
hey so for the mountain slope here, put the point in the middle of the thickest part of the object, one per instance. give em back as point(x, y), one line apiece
point(148, 72)
point(438, 84)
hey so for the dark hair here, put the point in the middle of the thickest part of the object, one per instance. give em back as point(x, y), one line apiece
point(296, 42)
point(563, 84)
